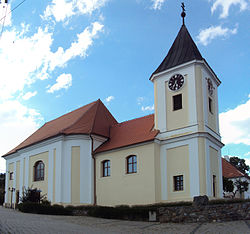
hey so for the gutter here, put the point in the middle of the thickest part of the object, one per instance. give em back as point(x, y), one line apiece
point(92, 154)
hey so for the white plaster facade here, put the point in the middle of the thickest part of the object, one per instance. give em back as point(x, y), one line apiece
point(62, 146)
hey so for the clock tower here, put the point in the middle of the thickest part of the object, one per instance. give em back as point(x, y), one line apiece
point(186, 115)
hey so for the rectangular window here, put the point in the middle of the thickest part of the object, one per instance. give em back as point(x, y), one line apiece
point(177, 102)
point(214, 185)
point(11, 175)
point(178, 183)
point(131, 164)
point(210, 105)
point(106, 168)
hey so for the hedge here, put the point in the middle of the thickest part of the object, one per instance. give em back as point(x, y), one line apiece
point(36, 208)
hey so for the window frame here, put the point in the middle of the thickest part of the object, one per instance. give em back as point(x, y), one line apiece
point(214, 186)
point(177, 102)
point(106, 169)
point(210, 105)
point(11, 176)
point(39, 171)
point(178, 183)
point(131, 165)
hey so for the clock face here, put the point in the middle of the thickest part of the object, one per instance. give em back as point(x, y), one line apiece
point(210, 87)
point(176, 82)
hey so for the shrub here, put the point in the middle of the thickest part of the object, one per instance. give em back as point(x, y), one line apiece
point(37, 208)
point(228, 201)
point(1, 197)
point(32, 195)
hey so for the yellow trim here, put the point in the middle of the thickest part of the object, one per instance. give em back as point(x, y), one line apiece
point(122, 188)
point(214, 168)
point(75, 175)
point(41, 185)
point(54, 174)
point(199, 97)
point(178, 164)
point(178, 118)
point(202, 166)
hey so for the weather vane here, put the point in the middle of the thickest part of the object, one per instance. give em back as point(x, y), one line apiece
point(183, 14)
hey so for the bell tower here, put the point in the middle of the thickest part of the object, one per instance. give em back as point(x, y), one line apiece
point(186, 115)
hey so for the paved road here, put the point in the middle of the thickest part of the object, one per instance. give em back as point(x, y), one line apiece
point(12, 222)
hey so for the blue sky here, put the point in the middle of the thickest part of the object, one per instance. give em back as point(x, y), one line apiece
point(58, 55)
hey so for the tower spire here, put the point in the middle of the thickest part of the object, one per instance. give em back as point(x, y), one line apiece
point(183, 14)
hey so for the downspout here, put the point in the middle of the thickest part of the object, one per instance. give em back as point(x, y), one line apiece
point(92, 154)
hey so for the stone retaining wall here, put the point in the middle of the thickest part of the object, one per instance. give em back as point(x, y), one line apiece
point(207, 213)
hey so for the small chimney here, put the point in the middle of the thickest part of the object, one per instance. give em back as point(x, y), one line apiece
point(227, 158)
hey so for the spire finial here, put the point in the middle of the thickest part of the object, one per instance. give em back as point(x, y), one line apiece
point(183, 14)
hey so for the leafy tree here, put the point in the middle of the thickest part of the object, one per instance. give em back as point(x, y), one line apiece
point(2, 180)
point(240, 164)
point(228, 185)
point(241, 186)
point(2, 187)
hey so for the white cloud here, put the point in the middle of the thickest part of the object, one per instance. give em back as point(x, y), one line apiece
point(247, 161)
point(247, 154)
point(29, 95)
point(17, 122)
point(62, 10)
point(235, 125)
point(207, 35)
point(64, 81)
point(32, 58)
point(157, 4)
point(77, 48)
point(23, 59)
point(226, 4)
point(109, 99)
point(148, 108)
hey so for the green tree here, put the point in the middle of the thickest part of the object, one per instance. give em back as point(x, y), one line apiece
point(228, 185)
point(241, 186)
point(2, 187)
point(240, 164)
point(2, 180)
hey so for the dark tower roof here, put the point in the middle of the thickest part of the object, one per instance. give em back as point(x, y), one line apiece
point(183, 50)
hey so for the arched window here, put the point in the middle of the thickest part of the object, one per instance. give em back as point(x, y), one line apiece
point(39, 171)
point(131, 164)
point(106, 168)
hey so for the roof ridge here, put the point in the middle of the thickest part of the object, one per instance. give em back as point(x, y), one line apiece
point(93, 124)
point(145, 116)
point(194, 46)
point(182, 50)
point(80, 116)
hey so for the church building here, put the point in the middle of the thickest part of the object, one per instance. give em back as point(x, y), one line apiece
point(87, 157)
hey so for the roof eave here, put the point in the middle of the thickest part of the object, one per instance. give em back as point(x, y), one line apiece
point(203, 61)
point(156, 75)
point(120, 147)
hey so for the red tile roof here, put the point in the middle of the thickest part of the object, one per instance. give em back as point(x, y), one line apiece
point(129, 133)
point(93, 118)
point(229, 171)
